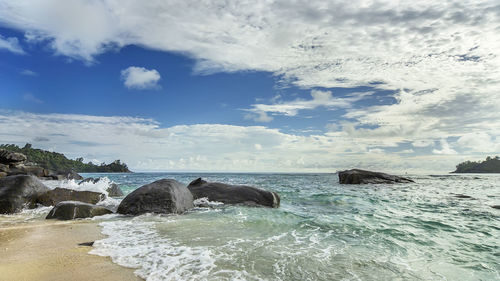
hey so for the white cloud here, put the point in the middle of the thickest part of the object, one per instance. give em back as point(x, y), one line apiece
point(140, 78)
point(443, 56)
point(144, 145)
point(260, 116)
point(11, 44)
point(259, 112)
point(479, 142)
point(28, 72)
point(445, 148)
point(31, 98)
point(440, 57)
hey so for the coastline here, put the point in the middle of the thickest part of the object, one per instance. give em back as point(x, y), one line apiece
point(49, 250)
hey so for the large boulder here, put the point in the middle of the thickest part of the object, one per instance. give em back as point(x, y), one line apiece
point(113, 189)
point(69, 210)
point(11, 158)
point(52, 197)
point(19, 191)
point(233, 194)
point(356, 176)
point(162, 196)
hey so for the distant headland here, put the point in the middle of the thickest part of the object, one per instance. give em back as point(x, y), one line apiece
point(490, 165)
point(58, 162)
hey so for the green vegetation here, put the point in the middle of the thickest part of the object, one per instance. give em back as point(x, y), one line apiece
point(58, 162)
point(490, 165)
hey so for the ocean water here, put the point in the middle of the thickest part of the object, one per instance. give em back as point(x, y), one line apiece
point(322, 231)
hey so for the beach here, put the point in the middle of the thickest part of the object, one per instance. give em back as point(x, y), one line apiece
point(49, 250)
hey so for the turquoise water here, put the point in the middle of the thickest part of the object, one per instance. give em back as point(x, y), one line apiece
point(322, 231)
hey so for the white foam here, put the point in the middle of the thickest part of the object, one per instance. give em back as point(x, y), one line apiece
point(135, 243)
point(100, 186)
point(25, 215)
point(204, 202)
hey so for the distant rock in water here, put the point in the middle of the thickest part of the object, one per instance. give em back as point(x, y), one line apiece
point(19, 191)
point(233, 194)
point(53, 197)
point(356, 176)
point(113, 190)
point(162, 196)
point(70, 210)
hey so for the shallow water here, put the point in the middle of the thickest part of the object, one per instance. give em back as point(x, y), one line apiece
point(322, 231)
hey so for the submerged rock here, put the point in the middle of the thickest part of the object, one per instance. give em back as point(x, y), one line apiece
point(356, 176)
point(113, 190)
point(162, 196)
point(69, 210)
point(19, 191)
point(463, 196)
point(233, 194)
point(52, 197)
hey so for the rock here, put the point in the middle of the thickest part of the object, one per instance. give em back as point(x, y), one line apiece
point(233, 194)
point(53, 197)
point(495, 206)
point(356, 176)
point(113, 190)
point(69, 175)
point(89, 180)
point(11, 158)
point(69, 210)
point(19, 191)
point(162, 196)
point(463, 196)
point(4, 168)
point(29, 170)
point(3, 174)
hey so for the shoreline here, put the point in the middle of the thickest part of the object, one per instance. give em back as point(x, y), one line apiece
point(49, 250)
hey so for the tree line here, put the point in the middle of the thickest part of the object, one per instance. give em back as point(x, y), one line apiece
point(58, 162)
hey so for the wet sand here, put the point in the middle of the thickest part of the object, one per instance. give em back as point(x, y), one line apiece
point(49, 250)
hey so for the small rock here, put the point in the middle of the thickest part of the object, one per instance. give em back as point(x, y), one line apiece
point(69, 210)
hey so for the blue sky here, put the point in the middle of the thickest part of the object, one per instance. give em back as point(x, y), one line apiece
point(303, 86)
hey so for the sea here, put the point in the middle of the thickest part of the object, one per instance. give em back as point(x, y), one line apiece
point(442, 227)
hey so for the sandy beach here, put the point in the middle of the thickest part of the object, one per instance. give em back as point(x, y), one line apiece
point(49, 250)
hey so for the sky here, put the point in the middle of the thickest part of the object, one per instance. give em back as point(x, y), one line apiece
point(254, 86)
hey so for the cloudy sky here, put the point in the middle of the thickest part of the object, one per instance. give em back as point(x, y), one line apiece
point(289, 86)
